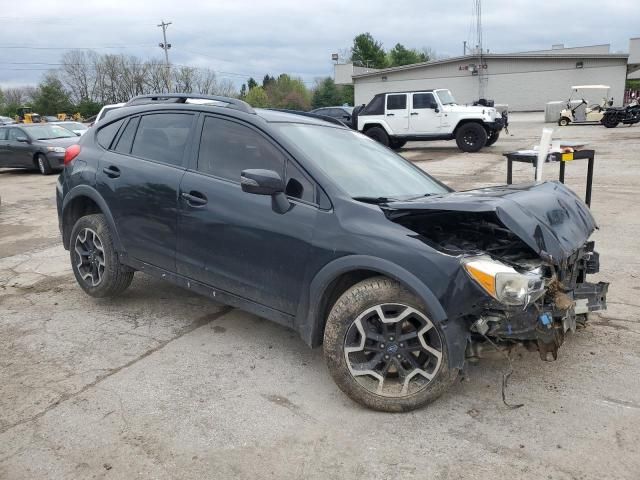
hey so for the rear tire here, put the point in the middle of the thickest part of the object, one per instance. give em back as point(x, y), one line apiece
point(397, 144)
point(94, 259)
point(43, 164)
point(609, 121)
point(564, 121)
point(492, 137)
point(379, 135)
point(471, 137)
point(400, 374)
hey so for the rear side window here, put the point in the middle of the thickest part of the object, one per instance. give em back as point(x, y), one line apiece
point(227, 148)
point(396, 102)
point(3, 133)
point(123, 145)
point(424, 100)
point(163, 137)
point(107, 133)
point(374, 107)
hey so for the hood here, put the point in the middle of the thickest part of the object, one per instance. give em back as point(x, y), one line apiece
point(58, 142)
point(473, 109)
point(547, 216)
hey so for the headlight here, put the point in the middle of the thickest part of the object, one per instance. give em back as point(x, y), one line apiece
point(504, 283)
point(56, 149)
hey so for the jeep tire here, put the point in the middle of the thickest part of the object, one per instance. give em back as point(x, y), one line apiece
point(383, 351)
point(471, 137)
point(94, 260)
point(379, 135)
point(397, 143)
point(492, 137)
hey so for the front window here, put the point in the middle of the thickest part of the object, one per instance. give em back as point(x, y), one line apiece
point(360, 166)
point(48, 132)
point(445, 97)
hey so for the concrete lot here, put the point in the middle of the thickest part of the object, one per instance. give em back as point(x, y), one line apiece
point(161, 383)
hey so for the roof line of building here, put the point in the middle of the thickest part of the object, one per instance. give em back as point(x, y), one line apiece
point(495, 55)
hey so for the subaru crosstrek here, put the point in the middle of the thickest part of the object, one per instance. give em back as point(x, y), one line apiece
point(323, 230)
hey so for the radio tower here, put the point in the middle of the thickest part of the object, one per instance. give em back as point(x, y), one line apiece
point(481, 73)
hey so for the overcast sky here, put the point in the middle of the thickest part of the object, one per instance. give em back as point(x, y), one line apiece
point(238, 38)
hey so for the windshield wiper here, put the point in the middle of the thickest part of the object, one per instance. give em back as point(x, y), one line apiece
point(376, 200)
point(420, 196)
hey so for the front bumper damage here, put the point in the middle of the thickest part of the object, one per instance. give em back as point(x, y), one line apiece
point(543, 325)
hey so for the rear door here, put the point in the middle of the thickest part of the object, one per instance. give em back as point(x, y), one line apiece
point(234, 240)
point(397, 113)
point(4, 143)
point(18, 154)
point(425, 117)
point(139, 177)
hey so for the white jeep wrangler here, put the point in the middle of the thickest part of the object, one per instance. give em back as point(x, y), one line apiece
point(393, 119)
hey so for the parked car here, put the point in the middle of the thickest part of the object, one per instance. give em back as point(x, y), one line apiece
point(339, 113)
point(106, 109)
point(76, 127)
point(395, 118)
point(50, 119)
point(6, 121)
point(319, 228)
point(35, 145)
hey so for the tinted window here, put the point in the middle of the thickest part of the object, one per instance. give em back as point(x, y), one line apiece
point(374, 107)
point(424, 100)
point(162, 137)
point(227, 148)
point(396, 102)
point(123, 144)
point(3, 133)
point(107, 133)
point(298, 184)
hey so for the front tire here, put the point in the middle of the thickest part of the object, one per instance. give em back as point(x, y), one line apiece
point(379, 135)
point(471, 137)
point(94, 259)
point(609, 121)
point(43, 164)
point(383, 351)
point(397, 144)
point(492, 137)
point(563, 122)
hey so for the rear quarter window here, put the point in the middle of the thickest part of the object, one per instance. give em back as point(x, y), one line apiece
point(107, 133)
point(163, 137)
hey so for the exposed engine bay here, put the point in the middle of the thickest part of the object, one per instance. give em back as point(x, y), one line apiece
point(542, 297)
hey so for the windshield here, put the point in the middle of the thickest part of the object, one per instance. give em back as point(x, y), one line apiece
point(359, 165)
point(46, 132)
point(445, 97)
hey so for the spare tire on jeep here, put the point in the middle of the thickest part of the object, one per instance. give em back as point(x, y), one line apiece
point(471, 137)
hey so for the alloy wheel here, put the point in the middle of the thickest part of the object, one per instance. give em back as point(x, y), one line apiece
point(90, 256)
point(393, 350)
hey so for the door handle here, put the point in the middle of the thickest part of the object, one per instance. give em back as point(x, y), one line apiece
point(391, 114)
point(111, 171)
point(415, 113)
point(195, 199)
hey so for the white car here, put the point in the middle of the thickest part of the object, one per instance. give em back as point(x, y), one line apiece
point(76, 127)
point(107, 108)
point(395, 118)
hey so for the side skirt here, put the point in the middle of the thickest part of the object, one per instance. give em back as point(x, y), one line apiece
point(220, 296)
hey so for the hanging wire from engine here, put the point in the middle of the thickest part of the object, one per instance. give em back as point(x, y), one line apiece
point(505, 376)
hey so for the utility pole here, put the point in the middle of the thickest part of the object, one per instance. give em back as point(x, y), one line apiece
point(166, 46)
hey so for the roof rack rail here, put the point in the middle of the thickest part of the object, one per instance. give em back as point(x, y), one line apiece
point(185, 97)
point(312, 115)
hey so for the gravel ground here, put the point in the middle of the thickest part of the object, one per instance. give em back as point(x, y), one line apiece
point(161, 383)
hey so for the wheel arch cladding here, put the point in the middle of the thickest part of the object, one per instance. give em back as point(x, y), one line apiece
point(84, 200)
point(355, 268)
point(466, 121)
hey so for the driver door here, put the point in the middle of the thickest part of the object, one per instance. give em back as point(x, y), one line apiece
point(426, 118)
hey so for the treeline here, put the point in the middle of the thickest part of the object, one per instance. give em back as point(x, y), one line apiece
point(87, 80)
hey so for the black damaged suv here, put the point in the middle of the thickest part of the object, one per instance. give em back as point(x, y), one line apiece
point(320, 228)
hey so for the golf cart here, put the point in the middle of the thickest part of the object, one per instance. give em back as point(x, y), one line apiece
point(583, 112)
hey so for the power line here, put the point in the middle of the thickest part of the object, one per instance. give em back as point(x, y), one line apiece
point(37, 47)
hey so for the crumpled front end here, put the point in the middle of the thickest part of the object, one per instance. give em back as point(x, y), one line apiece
point(561, 300)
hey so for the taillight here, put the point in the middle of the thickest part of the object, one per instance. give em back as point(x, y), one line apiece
point(71, 153)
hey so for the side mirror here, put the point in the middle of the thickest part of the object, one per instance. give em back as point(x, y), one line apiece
point(78, 134)
point(22, 139)
point(266, 182)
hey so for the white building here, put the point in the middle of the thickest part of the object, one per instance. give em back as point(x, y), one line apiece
point(524, 81)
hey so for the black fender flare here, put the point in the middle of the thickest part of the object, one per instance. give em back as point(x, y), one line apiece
point(92, 193)
point(312, 327)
